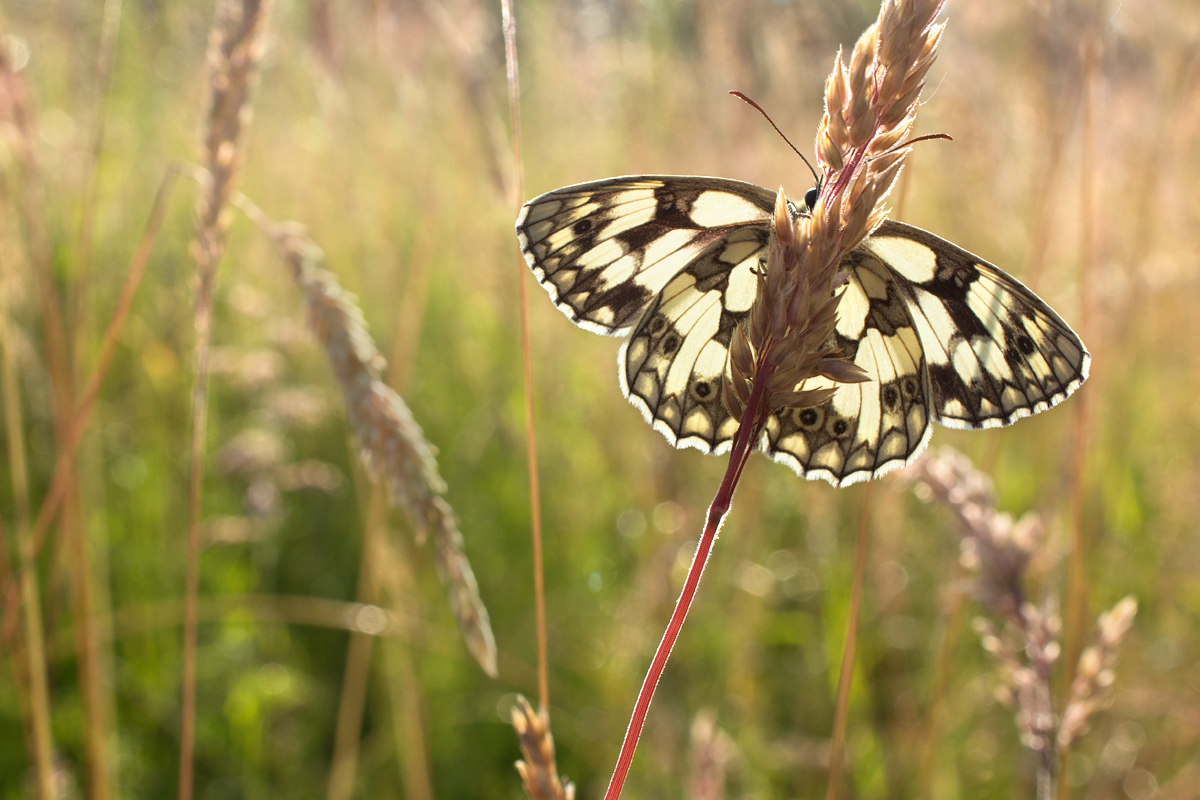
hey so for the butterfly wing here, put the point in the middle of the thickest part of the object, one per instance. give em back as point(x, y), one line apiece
point(995, 352)
point(947, 338)
point(866, 428)
point(603, 250)
point(668, 260)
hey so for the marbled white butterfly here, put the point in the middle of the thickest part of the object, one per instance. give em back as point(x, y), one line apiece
point(670, 262)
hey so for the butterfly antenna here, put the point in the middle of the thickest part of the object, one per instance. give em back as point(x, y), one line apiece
point(927, 137)
point(759, 109)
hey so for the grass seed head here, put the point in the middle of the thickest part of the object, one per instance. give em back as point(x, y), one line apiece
point(870, 106)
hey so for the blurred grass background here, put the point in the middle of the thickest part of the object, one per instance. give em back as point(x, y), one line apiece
point(382, 126)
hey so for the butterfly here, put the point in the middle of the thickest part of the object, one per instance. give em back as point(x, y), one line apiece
point(671, 263)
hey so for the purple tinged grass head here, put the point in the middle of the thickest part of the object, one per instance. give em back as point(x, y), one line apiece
point(997, 552)
point(1094, 677)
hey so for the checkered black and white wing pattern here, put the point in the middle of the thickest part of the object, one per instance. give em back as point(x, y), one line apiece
point(995, 352)
point(670, 262)
point(867, 428)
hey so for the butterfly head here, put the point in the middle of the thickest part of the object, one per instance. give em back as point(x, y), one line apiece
point(810, 198)
point(810, 202)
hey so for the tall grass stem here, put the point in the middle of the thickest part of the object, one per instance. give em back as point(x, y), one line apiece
point(235, 47)
point(846, 676)
point(747, 433)
point(358, 655)
point(34, 646)
point(96, 700)
point(1076, 612)
point(509, 23)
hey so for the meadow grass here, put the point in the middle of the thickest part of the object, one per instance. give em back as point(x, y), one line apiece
point(381, 128)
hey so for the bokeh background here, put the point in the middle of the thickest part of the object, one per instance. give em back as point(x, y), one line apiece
point(383, 127)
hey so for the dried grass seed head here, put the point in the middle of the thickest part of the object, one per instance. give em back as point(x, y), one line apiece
point(870, 105)
point(538, 770)
point(391, 442)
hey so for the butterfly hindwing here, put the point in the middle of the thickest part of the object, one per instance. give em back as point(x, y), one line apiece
point(674, 362)
point(866, 428)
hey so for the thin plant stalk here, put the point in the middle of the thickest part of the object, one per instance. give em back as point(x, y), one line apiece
point(32, 212)
point(57, 490)
point(199, 417)
point(97, 735)
point(408, 728)
point(87, 650)
point(952, 630)
point(109, 28)
point(841, 709)
point(34, 645)
point(275, 609)
point(509, 23)
point(358, 659)
point(1076, 612)
point(748, 432)
point(404, 685)
point(870, 106)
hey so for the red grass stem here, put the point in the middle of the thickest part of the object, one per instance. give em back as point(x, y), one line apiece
point(841, 710)
point(752, 421)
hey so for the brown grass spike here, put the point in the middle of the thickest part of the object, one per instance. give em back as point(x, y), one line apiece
point(390, 441)
point(538, 771)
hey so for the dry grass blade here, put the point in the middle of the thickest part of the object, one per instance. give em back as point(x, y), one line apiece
point(390, 441)
point(538, 771)
point(108, 347)
point(509, 24)
point(40, 738)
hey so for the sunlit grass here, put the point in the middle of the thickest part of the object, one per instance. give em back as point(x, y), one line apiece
point(377, 147)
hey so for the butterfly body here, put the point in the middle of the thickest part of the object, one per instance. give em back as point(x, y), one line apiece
point(671, 262)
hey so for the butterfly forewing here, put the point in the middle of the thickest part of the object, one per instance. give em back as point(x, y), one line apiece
point(995, 351)
point(671, 261)
point(603, 250)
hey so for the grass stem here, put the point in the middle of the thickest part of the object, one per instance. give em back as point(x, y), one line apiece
point(57, 490)
point(358, 657)
point(34, 644)
point(748, 432)
point(841, 709)
point(509, 23)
